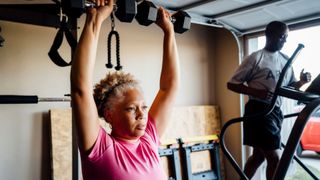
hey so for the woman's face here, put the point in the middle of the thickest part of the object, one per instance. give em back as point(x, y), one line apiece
point(128, 117)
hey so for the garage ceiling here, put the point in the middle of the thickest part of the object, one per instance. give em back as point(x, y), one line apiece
point(240, 16)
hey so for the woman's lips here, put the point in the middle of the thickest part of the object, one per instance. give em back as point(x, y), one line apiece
point(141, 126)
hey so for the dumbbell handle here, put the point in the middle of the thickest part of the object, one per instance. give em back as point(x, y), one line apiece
point(92, 4)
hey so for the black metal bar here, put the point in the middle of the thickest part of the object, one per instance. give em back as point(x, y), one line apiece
point(291, 115)
point(40, 14)
point(215, 160)
point(173, 154)
point(75, 153)
point(28, 99)
point(226, 151)
point(35, 14)
point(302, 165)
point(186, 151)
point(294, 138)
point(17, 99)
point(176, 164)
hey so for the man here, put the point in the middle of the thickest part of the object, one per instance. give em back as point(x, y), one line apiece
point(257, 77)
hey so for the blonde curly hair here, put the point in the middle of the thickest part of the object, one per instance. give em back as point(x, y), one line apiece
point(110, 89)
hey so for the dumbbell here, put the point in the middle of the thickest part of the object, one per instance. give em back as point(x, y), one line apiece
point(125, 10)
point(148, 13)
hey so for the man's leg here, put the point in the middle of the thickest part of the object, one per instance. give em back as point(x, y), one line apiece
point(254, 161)
point(272, 157)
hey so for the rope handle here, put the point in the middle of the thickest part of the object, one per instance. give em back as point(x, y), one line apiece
point(113, 32)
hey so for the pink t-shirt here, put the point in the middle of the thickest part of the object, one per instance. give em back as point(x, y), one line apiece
point(112, 158)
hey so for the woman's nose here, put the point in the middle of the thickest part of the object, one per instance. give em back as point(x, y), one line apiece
point(140, 112)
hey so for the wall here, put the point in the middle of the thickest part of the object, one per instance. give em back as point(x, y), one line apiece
point(226, 62)
point(26, 69)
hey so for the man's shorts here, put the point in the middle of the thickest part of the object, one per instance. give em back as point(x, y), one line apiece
point(262, 132)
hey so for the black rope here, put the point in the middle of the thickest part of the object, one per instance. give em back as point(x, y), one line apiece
point(109, 65)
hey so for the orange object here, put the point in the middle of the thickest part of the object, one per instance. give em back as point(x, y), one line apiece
point(310, 138)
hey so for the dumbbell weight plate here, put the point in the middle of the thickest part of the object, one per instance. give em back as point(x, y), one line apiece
point(147, 13)
point(126, 10)
point(182, 21)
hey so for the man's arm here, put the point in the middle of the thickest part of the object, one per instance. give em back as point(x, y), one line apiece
point(170, 75)
point(243, 89)
point(305, 77)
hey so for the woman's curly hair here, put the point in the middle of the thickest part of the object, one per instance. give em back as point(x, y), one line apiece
point(111, 88)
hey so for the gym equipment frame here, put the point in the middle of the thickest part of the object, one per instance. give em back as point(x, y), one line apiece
point(212, 146)
point(172, 152)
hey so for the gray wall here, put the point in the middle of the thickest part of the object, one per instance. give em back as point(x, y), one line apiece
point(26, 69)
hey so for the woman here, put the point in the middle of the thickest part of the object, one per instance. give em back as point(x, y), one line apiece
point(130, 151)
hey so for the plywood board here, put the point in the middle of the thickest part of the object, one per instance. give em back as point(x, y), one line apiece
point(61, 144)
point(192, 121)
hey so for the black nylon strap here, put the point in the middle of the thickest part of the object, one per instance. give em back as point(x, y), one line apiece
point(53, 53)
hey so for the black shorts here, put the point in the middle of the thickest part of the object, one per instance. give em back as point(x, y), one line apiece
point(262, 132)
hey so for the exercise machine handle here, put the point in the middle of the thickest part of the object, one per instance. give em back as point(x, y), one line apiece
point(18, 99)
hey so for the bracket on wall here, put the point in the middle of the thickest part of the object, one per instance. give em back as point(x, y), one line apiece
point(1, 39)
point(35, 14)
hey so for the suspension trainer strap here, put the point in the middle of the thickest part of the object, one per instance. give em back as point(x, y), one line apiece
point(53, 53)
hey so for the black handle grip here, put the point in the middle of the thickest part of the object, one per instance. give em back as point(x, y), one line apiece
point(18, 99)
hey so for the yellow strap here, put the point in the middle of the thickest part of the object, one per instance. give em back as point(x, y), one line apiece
point(167, 142)
point(200, 138)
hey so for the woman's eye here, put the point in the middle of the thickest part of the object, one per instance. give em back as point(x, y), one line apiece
point(130, 109)
point(144, 107)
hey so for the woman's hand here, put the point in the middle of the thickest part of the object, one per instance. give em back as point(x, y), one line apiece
point(101, 10)
point(164, 20)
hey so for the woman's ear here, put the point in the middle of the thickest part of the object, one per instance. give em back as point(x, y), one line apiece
point(108, 116)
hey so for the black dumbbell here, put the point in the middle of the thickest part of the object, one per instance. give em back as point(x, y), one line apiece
point(148, 12)
point(126, 10)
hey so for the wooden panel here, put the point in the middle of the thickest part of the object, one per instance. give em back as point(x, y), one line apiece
point(193, 121)
point(61, 144)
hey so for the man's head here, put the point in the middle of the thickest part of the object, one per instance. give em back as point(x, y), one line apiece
point(276, 34)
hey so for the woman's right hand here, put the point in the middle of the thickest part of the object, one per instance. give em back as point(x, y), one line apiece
point(101, 10)
point(164, 20)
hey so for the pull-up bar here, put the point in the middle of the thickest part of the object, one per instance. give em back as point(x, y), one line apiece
point(29, 99)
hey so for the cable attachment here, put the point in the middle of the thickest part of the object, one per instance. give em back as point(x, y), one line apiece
point(64, 30)
point(116, 34)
